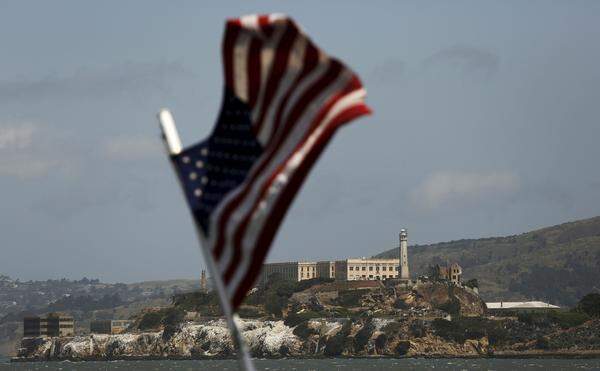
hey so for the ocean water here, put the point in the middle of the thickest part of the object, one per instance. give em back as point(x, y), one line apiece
point(319, 364)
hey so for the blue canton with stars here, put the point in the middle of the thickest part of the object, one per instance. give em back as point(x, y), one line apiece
point(212, 168)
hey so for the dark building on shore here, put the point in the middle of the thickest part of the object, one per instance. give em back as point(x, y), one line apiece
point(50, 325)
point(109, 326)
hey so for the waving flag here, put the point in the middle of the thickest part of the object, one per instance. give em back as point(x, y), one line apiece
point(283, 100)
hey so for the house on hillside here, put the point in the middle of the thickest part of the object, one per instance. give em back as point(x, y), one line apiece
point(451, 272)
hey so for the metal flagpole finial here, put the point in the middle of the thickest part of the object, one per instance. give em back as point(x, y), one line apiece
point(169, 131)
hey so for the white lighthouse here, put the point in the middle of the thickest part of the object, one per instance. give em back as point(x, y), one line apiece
point(404, 273)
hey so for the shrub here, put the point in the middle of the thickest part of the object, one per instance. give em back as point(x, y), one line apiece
point(193, 301)
point(534, 319)
point(150, 320)
point(472, 283)
point(470, 328)
point(249, 312)
point(294, 318)
point(274, 304)
point(402, 347)
point(590, 305)
point(561, 318)
point(451, 307)
point(568, 319)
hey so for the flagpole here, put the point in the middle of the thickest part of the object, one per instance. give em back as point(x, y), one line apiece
point(173, 146)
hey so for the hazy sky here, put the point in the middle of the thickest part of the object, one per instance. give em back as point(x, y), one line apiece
point(487, 122)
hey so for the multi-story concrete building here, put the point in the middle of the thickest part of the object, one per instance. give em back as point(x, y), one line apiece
point(109, 326)
point(366, 269)
point(344, 270)
point(326, 269)
point(290, 271)
point(50, 325)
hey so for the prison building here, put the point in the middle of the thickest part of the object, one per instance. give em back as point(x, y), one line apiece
point(50, 325)
point(109, 326)
point(366, 269)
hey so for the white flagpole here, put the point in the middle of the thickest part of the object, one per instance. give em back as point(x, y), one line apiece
point(173, 145)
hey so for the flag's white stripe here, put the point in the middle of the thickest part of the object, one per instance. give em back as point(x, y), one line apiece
point(240, 65)
point(267, 55)
point(258, 218)
point(295, 64)
point(250, 22)
point(287, 146)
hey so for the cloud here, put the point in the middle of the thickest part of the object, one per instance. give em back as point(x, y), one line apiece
point(86, 83)
point(470, 59)
point(16, 137)
point(132, 148)
point(446, 187)
point(27, 151)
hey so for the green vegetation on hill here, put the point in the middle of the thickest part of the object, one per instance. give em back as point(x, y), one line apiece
point(558, 264)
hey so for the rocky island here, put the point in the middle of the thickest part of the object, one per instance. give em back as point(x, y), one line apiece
point(321, 318)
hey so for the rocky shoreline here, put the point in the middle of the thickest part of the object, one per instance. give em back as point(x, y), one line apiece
point(371, 338)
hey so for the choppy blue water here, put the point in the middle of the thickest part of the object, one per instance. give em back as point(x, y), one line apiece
point(319, 364)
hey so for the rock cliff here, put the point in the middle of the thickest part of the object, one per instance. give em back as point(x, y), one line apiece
point(266, 339)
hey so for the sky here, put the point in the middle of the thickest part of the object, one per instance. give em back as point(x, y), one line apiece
point(486, 123)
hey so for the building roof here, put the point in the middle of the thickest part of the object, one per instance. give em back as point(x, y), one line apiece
point(520, 305)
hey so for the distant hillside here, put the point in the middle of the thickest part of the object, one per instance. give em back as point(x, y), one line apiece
point(559, 264)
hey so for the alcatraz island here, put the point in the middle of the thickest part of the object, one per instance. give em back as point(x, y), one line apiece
point(360, 307)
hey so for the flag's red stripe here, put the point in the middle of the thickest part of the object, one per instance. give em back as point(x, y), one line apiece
point(253, 72)
point(265, 25)
point(310, 62)
point(333, 72)
point(280, 63)
point(289, 192)
point(232, 30)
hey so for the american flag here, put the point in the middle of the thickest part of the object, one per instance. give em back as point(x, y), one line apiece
point(283, 100)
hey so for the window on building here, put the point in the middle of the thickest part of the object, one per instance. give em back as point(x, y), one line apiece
point(384, 268)
point(370, 276)
point(384, 276)
point(371, 268)
point(364, 268)
point(351, 268)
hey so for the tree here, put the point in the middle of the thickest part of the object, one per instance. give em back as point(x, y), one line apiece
point(590, 305)
point(472, 283)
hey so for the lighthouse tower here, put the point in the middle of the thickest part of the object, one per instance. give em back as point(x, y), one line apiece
point(404, 273)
